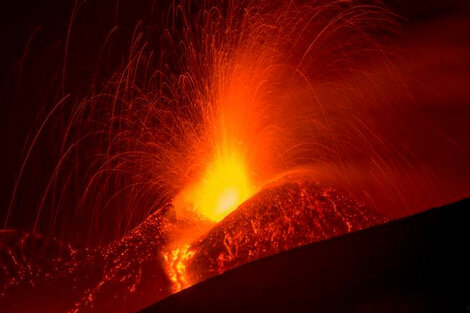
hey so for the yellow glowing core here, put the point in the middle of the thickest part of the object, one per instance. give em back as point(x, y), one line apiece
point(222, 188)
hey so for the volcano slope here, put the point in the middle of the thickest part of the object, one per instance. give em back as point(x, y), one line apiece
point(132, 273)
point(415, 264)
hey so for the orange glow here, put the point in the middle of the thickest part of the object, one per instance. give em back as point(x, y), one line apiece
point(175, 261)
point(222, 188)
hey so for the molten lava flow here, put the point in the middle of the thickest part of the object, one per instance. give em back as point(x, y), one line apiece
point(176, 260)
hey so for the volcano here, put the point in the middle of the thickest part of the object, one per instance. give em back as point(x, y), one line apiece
point(416, 264)
point(133, 272)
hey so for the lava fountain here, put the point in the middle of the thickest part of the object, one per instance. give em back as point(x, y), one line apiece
point(259, 96)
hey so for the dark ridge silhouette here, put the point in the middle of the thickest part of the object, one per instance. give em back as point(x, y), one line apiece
point(415, 264)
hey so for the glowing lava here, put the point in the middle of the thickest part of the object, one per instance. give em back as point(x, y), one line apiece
point(176, 260)
point(220, 190)
point(223, 187)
